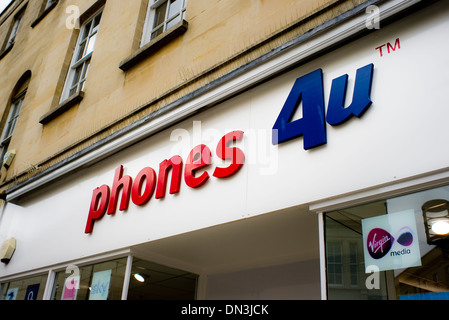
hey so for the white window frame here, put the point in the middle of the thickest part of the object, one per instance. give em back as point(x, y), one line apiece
point(82, 55)
point(169, 21)
point(8, 130)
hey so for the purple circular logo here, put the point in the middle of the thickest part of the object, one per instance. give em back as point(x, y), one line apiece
point(406, 237)
point(379, 242)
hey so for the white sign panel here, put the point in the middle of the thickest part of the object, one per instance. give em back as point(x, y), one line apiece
point(391, 242)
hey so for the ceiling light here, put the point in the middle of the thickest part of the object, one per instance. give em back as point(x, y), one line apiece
point(441, 227)
point(436, 222)
point(139, 277)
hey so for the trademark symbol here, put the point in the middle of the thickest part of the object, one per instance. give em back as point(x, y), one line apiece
point(390, 48)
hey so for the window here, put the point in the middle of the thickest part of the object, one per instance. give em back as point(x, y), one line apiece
point(161, 16)
point(79, 67)
point(49, 3)
point(102, 281)
point(24, 289)
point(427, 280)
point(152, 281)
point(13, 114)
point(13, 32)
point(163, 24)
point(11, 123)
point(334, 264)
point(105, 281)
point(47, 6)
point(354, 264)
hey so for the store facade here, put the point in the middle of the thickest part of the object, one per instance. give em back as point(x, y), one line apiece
point(275, 207)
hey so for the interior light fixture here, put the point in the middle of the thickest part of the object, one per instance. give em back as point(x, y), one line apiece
point(441, 227)
point(139, 277)
point(436, 222)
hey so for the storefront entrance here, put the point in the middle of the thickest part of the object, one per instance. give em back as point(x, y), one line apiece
point(270, 256)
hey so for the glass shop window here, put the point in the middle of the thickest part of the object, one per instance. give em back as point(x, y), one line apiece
point(393, 249)
point(152, 281)
point(24, 289)
point(102, 281)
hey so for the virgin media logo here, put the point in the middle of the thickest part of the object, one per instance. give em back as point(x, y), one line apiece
point(380, 242)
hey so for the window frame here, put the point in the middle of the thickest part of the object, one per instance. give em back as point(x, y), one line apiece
point(14, 112)
point(144, 47)
point(83, 60)
point(13, 31)
point(166, 24)
point(48, 3)
point(11, 122)
point(46, 7)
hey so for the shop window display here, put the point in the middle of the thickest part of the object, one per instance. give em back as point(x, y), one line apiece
point(349, 276)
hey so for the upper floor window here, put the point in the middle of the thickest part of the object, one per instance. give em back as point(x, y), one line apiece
point(79, 66)
point(14, 110)
point(46, 7)
point(161, 16)
point(13, 31)
point(16, 106)
point(49, 3)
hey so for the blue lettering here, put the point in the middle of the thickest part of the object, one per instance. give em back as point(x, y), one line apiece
point(361, 100)
point(308, 90)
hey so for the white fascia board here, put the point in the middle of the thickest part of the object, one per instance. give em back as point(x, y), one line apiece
point(416, 183)
point(325, 36)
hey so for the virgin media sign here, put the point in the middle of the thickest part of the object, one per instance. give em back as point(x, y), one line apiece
point(140, 190)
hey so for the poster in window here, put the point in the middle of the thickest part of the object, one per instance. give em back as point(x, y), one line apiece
point(11, 294)
point(99, 289)
point(32, 291)
point(71, 286)
point(391, 241)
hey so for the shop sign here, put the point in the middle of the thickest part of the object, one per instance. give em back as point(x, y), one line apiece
point(146, 183)
point(309, 91)
point(391, 242)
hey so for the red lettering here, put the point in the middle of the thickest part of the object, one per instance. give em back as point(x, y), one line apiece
point(149, 175)
point(106, 200)
point(224, 152)
point(380, 49)
point(390, 48)
point(123, 183)
point(175, 163)
point(198, 158)
point(98, 205)
point(396, 44)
